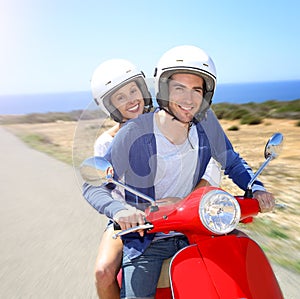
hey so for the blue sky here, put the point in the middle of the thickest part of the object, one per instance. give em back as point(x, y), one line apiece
point(54, 46)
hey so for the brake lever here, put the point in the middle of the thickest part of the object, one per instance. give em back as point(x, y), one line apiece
point(133, 229)
point(280, 206)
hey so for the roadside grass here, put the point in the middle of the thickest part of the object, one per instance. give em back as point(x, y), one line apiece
point(274, 240)
point(44, 144)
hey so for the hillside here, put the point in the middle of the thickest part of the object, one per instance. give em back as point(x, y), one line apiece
point(250, 113)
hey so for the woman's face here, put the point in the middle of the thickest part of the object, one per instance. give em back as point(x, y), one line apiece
point(128, 100)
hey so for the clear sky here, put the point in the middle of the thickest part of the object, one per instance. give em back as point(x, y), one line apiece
point(54, 45)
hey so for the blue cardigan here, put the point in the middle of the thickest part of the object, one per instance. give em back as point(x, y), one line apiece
point(133, 155)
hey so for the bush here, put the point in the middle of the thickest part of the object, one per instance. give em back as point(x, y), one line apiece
point(298, 123)
point(290, 106)
point(233, 128)
point(34, 139)
point(238, 113)
point(221, 109)
point(251, 119)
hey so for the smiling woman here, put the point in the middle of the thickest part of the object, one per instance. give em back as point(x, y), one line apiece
point(129, 101)
point(120, 90)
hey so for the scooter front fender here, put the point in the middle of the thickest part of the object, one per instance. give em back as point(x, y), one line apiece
point(226, 267)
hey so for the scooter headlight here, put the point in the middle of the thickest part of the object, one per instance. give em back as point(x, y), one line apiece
point(219, 212)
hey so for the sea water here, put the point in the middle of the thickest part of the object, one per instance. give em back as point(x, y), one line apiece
point(65, 102)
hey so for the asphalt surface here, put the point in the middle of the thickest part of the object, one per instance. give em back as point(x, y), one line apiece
point(49, 234)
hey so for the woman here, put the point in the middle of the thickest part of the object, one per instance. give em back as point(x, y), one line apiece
point(121, 92)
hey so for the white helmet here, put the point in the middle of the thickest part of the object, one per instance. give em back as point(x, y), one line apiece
point(185, 59)
point(112, 75)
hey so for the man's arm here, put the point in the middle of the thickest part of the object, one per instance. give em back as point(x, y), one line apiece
point(236, 167)
point(222, 151)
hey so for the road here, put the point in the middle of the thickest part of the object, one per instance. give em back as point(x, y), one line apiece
point(49, 234)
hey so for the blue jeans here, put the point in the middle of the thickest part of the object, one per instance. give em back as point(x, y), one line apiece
point(141, 274)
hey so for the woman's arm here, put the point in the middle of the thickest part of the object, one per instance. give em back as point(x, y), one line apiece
point(101, 199)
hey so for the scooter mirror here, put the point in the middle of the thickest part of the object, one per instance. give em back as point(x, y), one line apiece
point(272, 150)
point(273, 146)
point(96, 171)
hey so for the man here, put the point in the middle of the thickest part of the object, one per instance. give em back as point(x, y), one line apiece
point(165, 155)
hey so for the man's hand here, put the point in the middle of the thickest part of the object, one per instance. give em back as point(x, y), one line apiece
point(266, 200)
point(130, 218)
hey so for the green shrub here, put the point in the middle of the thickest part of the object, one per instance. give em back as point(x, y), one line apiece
point(238, 113)
point(36, 139)
point(233, 128)
point(298, 123)
point(290, 106)
point(251, 119)
point(278, 234)
point(222, 110)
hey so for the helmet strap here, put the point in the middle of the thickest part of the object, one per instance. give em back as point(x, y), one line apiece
point(167, 110)
point(190, 123)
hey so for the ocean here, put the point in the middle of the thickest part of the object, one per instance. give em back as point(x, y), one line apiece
point(65, 102)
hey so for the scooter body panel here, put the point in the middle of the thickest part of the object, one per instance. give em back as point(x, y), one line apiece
point(224, 267)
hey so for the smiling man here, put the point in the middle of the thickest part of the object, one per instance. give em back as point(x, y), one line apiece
point(166, 155)
point(185, 95)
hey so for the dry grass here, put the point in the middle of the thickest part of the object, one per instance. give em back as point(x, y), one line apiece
point(277, 232)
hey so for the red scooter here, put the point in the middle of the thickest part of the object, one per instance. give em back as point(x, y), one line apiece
point(220, 262)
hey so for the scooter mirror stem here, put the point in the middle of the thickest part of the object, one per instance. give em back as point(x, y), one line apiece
point(259, 171)
point(248, 192)
point(272, 150)
point(154, 207)
point(96, 170)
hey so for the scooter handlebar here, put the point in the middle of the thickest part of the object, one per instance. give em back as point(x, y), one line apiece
point(132, 230)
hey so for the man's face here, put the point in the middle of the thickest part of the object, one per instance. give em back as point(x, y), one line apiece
point(185, 95)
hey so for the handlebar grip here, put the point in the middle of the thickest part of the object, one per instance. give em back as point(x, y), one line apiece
point(118, 227)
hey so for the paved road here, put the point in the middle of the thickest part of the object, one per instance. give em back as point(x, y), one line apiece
point(49, 235)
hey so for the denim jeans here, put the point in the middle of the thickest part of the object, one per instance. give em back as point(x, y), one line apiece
point(141, 274)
